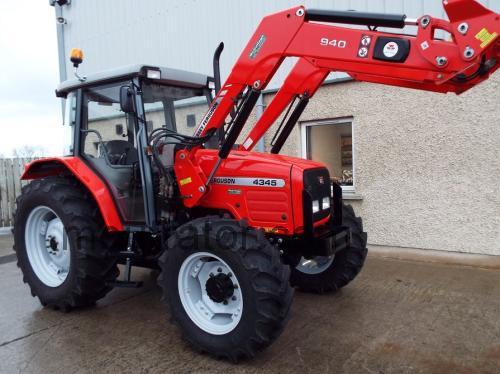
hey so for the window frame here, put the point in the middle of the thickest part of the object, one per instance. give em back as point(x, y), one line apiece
point(69, 122)
point(84, 120)
point(331, 121)
point(169, 106)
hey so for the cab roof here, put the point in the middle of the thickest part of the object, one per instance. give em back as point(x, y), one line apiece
point(168, 76)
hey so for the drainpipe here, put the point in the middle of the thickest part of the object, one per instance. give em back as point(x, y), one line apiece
point(259, 110)
point(61, 51)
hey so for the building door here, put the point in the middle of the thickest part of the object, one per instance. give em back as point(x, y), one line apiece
point(331, 143)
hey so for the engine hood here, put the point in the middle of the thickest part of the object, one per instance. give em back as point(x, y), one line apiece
point(239, 159)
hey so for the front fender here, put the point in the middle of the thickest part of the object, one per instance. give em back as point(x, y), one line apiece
point(54, 166)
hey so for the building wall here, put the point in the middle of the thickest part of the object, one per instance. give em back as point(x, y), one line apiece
point(426, 164)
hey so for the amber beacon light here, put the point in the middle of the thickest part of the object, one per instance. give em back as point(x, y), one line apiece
point(76, 57)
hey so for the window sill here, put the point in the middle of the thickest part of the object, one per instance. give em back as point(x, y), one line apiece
point(351, 196)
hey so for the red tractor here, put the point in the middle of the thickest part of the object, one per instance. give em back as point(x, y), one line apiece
point(231, 230)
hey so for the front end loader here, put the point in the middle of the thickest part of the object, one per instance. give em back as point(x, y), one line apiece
point(231, 230)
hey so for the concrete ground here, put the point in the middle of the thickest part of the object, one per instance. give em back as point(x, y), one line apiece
point(6, 253)
point(397, 316)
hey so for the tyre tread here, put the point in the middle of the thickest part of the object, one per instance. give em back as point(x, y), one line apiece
point(346, 265)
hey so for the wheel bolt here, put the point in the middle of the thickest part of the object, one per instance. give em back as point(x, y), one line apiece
point(219, 270)
point(229, 274)
point(224, 302)
point(211, 275)
point(233, 298)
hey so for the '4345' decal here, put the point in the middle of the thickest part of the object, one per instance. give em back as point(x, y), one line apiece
point(260, 182)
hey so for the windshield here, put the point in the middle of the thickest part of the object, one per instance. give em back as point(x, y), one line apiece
point(177, 108)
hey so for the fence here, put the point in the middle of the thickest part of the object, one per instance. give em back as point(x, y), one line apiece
point(10, 186)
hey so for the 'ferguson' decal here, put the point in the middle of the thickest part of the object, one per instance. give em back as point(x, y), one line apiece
point(259, 182)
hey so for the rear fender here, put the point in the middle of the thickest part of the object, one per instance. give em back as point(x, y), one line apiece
point(54, 166)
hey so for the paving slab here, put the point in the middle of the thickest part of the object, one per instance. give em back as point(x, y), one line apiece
point(6, 242)
point(397, 316)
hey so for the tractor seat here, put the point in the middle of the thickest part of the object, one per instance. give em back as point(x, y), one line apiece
point(121, 152)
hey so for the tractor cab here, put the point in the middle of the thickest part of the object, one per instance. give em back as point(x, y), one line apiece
point(111, 117)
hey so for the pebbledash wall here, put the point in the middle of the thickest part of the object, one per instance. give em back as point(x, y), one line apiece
point(426, 170)
point(427, 166)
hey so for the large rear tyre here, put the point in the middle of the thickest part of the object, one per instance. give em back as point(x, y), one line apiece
point(324, 274)
point(226, 286)
point(62, 246)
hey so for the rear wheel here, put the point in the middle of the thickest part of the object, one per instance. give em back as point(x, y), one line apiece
point(226, 287)
point(47, 246)
point(329, 273)
point(62, 246)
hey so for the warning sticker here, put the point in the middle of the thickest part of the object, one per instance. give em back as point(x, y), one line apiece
point(248, 143)
point(485, 37)
point(185, 181)
point(364, 46)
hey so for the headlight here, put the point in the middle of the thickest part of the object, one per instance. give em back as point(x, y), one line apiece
point(326, 203)
point(315, 206)
point(153, 74)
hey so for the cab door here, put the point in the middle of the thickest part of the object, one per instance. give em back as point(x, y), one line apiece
point(109, 144)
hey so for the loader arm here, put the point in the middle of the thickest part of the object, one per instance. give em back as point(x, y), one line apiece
point(420, 62)
point(301, 84)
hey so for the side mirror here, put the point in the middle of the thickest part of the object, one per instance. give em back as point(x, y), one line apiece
point(127, 102)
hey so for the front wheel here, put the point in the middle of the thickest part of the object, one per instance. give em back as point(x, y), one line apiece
point(329, 273)
point(226, 286)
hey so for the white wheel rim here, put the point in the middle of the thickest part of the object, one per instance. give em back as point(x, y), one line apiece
point(213, 317)
point(47, 246)
point(314, 265)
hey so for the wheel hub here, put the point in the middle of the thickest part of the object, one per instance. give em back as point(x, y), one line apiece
point(219, 287)
point(52, 244)
point(314, 265)
point(47, 246)
point(210, 293)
